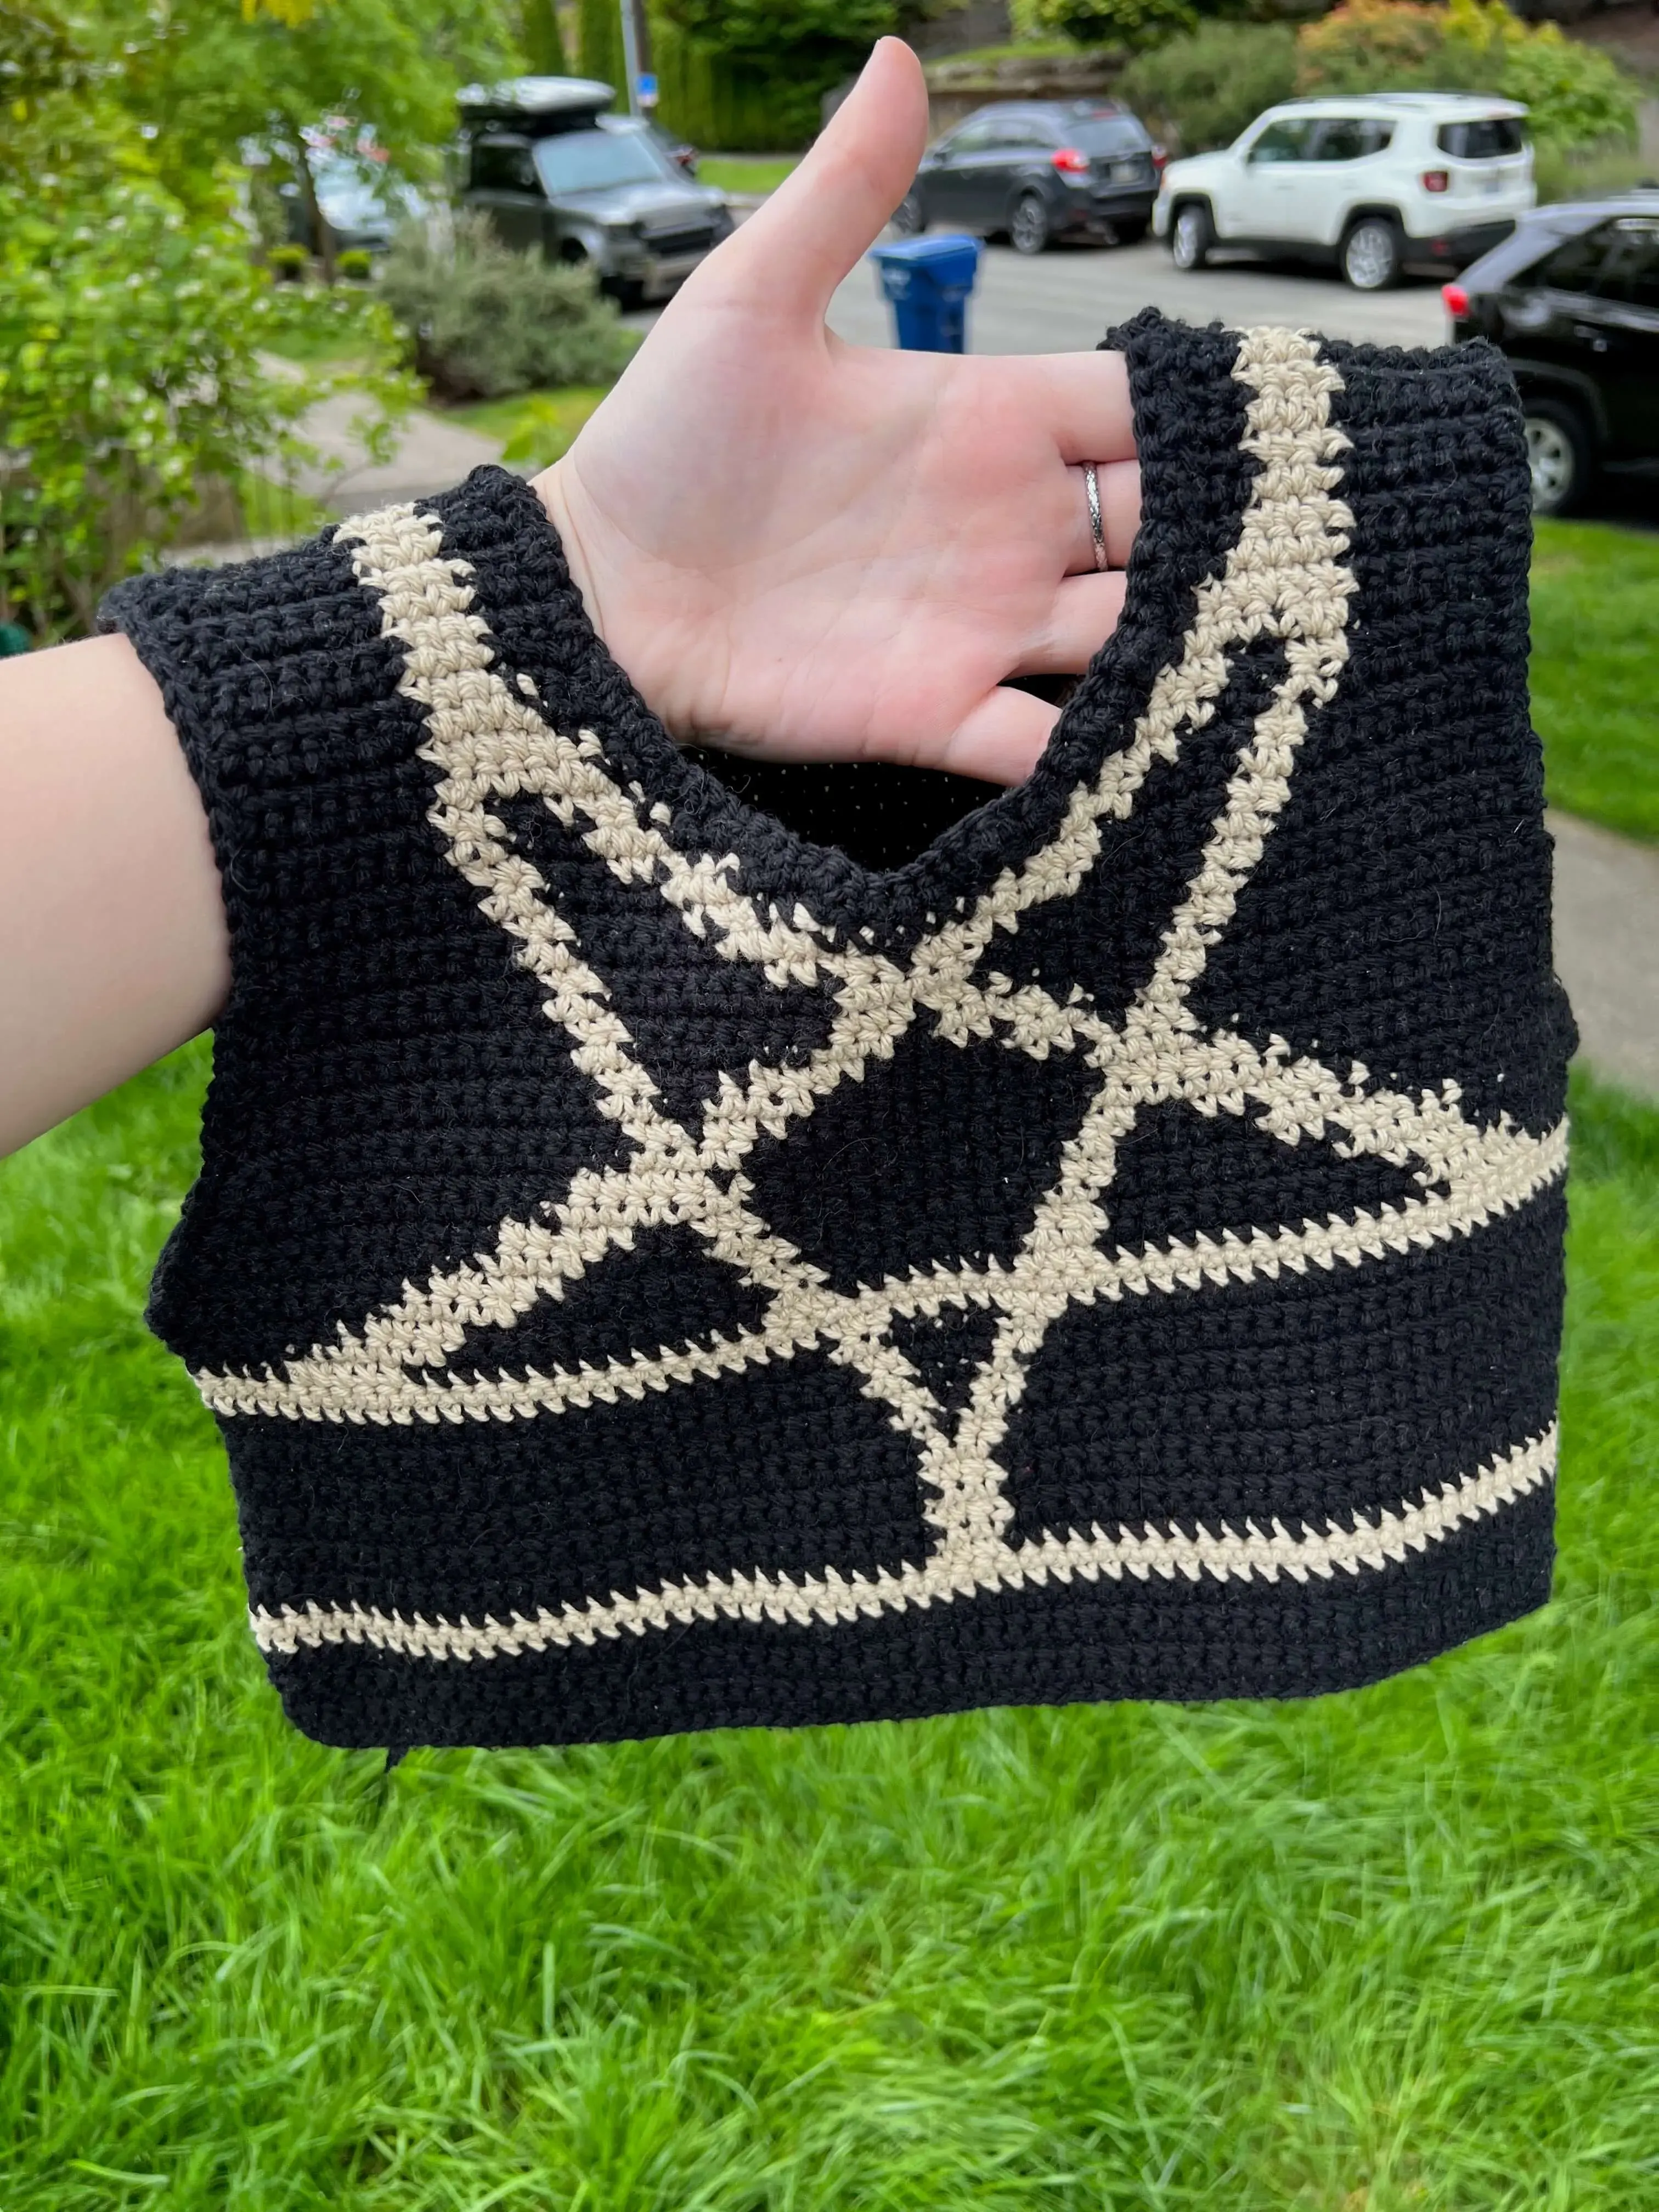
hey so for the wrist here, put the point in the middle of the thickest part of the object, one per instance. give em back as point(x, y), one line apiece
point(553, 488)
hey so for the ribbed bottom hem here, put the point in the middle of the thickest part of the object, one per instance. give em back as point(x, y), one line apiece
point(1059, 1646)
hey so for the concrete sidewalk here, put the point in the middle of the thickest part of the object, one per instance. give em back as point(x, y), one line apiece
point(1607, 948)
point(431, 455)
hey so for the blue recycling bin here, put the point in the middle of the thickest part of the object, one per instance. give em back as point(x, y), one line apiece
point(928, 280)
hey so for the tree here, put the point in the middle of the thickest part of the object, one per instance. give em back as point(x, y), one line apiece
point(133, 320)
point(1576, 94)
point(754, 72)
point(206, 75)
point(788, 39)
point(129, 326)
point(540, 35)
point(599, 29)
point(779, 35)
point(1127, 25)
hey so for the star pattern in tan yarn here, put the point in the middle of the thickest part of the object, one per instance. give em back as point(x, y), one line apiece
point(1287, 579)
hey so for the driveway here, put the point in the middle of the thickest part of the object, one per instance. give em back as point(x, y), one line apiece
point(1065, 300)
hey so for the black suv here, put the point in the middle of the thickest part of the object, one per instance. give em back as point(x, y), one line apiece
point(554, 173)
point(1034, 171)
point(1572, 298)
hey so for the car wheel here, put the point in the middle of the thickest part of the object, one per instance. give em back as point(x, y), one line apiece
point(1372, 252)
point(1129, 233)
point(1191, 236)
point(1558, 455)
point(1028, 230)
point(908, 220)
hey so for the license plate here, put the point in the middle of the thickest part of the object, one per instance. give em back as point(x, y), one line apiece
point(1124, 173)
point(1489, 184)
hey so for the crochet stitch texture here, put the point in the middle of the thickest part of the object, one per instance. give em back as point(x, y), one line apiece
point(657, 1264)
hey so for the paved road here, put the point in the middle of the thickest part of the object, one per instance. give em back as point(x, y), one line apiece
point(1056, 302)
point(1065, 300)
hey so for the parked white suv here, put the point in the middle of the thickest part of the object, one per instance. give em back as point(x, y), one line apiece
point(1379, 183)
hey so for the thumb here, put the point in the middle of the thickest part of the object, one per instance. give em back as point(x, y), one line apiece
point(797, 247)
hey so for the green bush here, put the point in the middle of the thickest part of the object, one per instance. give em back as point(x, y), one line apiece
point(354, 265)
point(1575, 95)
point(1126, 25)
point(130, 330)
point(1591, 172)
point(286, 264)
point(1371, 46)
point(1202, 91)
point(484, 321)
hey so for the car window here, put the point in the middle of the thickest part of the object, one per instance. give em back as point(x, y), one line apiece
point(1283, 141)
point(1488, 138)
point(1631, 271)
point(1113, 134)
point(1021, 131)
point(502, 165)
point(1576, 265)
point(972, 138)
point(588, 160)
point(1350, 138)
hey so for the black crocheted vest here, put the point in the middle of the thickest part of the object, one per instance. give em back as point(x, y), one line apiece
point(681, 1244)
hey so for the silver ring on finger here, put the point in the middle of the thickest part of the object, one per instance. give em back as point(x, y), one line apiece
point(1098, 527)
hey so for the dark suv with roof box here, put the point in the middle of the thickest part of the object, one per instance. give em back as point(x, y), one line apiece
point(556, 174)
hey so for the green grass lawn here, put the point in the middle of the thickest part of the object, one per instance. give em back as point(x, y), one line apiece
point(534, 427)
point(319, 348)
point(1390, 1951)
point(1595, 671)
point(744, 173)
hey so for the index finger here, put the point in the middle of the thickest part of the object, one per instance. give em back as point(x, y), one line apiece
point(1084, 398)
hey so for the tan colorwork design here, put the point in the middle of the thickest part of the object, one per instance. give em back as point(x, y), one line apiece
point(834, 1597)
point(1284, 578)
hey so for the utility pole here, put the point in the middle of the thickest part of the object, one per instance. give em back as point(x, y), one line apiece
point(631, 55)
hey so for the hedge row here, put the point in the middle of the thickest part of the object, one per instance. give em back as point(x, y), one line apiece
point(704, 97)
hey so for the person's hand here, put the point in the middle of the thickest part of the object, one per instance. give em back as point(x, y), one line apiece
point(813, 550)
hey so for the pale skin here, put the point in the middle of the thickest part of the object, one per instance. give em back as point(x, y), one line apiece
point(794, 547)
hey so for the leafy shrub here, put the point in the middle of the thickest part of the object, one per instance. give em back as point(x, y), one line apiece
point(286, 264)
point(129, 333)
point(1576, 94)
point(354, 265)
point(484, 321)
point(132, 322)
point(1371, 46)
point(1591, 172)
point(1202, 91)
point(1127, 25)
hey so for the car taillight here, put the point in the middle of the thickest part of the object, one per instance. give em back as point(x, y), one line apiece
point(1160, 159)
point(1435, 180)
point(1457, 299)
point(1071, 161)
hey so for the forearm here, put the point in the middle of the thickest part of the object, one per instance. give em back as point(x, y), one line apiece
point(112, 939)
